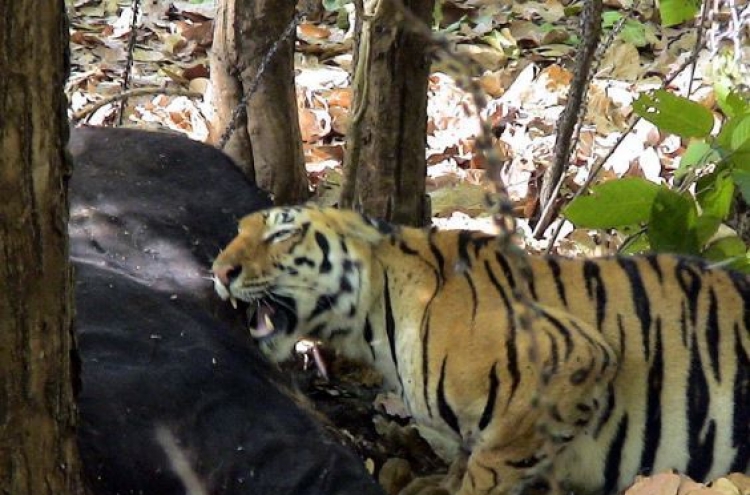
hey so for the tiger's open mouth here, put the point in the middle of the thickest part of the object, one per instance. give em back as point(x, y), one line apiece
point(268, 318)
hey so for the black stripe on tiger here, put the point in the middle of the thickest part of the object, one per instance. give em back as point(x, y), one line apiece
point(489, 406)
point(596, 290)
point(439, 258)
point(368, 334)
point(712, 334)
point(690, 283)
point(512, 352)
point(426, 364)
point(325, 248)
point(390, 324)
point(654, 264)
point(614, 456)
point(609, 407)
point(741, 413)
point(700, 446)
point(474, 301)
point(742, 284)
point(445, 410)
point(640, 301)
point(464, 239)
point(549, 368)
point(406, 249)
point(554, 268)
point(323, 304)
point(508, 272)
point(652, 428)
point(562, 331)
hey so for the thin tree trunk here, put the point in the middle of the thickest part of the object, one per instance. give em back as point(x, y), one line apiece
point(267, 143)
point(37, 413)
point(385, 163)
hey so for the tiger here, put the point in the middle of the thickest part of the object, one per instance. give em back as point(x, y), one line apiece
point(593, 370)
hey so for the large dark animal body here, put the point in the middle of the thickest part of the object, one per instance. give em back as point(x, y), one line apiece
point(149, 211)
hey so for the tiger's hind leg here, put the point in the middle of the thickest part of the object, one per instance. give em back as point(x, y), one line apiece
point(567, 385)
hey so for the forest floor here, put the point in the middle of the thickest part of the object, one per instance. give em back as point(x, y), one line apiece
point(526, 51)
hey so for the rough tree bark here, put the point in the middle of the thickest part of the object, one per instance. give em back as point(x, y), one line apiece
point(385, 163)
point(267, 143)
point(37, 413)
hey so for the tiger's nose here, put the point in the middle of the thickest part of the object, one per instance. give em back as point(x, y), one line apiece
point(226, 273)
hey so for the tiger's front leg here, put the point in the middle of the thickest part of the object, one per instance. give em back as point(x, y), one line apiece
point(572, 369)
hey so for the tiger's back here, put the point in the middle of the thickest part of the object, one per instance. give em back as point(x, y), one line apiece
point(611, 368)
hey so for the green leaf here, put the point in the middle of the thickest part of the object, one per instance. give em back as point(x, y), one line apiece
point(674, 114)
point(697, 154)
point(725, 248)
point(706, 227)
point(610, 18)
point(740, 140)
point(677, 11)
point(730, 102)
point(725, 134)
point(742, 181)
point(634, 32)
point(637, 241)
point(613, 204)
point(672, 227)
point(334, 5)
point(715, 195)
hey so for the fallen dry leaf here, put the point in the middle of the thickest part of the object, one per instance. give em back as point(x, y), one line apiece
point(306, 30)
point(314, 124)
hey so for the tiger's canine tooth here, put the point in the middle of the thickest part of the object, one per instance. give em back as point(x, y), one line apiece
point(268, 322)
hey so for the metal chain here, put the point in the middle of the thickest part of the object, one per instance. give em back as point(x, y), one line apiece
point(241, 107)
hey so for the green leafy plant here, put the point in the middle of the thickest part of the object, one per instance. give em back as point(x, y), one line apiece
point(714, 167)
point(675, 12)
point(633, 31)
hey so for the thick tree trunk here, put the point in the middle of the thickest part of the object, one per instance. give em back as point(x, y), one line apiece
point(37, 442)
point(385, 163)
point(267, 143)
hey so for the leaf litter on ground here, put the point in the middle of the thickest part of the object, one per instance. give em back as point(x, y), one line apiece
point(525, 51)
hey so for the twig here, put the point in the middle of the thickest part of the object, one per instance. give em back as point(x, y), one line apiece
point(124, 95)
point(697, 47)
point(590, 33)
point(601, 50)
point(129, 60)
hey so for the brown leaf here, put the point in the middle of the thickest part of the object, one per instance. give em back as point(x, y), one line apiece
point(314, 124)
point(341, 97)
point(658, 484)
point(741, 481)
point(85, 39)
point(557, 77)
point(307, 30)
point(339, 119)
point(202, 33)
point(196, 71)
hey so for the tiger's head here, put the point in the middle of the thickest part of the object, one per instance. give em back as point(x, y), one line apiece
point(304, 272)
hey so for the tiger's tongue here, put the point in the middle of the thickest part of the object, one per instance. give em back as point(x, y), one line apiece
point(265, 326)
